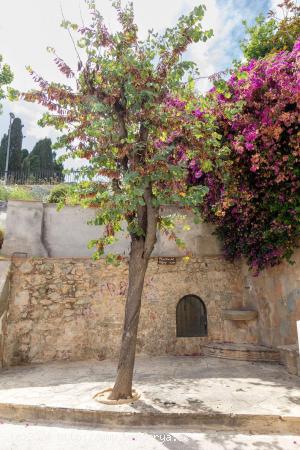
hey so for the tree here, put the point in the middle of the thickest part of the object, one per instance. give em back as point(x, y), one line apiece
point(25, 153)
point(272, 34)
point(135, 117)
point(6, 77)
point(41, 157)
point(42, 160)
point(15, 150)
point(3, 150)
point(58, 167)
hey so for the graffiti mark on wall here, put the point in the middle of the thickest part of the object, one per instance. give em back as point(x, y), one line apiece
point(120, 288)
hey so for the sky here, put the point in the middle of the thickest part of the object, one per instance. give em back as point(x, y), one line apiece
point(28, 27)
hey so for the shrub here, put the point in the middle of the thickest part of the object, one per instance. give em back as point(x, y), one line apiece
point(19, 193)
point(40, 193)
point(255, 199)
point(15, 193)
point(58, 194)
point(3, 193)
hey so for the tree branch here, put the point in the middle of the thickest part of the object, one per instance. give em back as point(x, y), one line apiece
point(70, 34)
point(152, 220)
point(120, 110)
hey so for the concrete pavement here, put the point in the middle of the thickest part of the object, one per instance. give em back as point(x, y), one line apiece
point(202, 393)
point(28, 436)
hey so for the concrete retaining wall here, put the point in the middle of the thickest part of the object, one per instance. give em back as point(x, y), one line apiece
point(38, 229)
point(275, 294)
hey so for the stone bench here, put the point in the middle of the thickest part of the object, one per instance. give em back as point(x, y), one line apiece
point(242, 352)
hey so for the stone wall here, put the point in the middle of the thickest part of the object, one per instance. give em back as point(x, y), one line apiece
point(73, 308)
point(4, 298)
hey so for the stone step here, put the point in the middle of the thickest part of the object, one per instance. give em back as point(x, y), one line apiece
point(241, 352)
point(289, 357)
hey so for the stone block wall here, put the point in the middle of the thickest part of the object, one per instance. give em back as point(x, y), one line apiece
point(4, 298)
point(62, 305)
point(73, 308)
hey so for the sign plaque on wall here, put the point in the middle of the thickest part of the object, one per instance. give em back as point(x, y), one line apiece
point(167, 260)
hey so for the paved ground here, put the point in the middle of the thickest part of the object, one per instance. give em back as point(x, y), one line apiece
point(167, 384)
point(34, 437)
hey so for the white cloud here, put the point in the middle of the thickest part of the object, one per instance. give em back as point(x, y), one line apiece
point(274, 5)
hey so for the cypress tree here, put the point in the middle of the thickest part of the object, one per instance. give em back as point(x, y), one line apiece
point(3, 149)
point(15, 151)
point(41, 157)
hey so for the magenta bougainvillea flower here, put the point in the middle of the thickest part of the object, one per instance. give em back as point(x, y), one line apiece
point(255, 200)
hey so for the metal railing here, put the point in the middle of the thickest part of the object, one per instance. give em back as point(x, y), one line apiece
point(40, 177)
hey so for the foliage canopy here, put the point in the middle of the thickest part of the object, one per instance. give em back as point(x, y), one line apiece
point(134, 117)
point(272, 34)
point(15, 148)
point(6, 77)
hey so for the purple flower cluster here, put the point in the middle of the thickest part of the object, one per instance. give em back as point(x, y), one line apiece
point(255, 200)
point(175, 103)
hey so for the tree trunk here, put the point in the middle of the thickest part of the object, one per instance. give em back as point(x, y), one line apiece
point(137, 270)
point(141, 249)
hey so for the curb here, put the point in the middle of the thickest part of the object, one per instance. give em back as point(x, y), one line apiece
point(198, 421)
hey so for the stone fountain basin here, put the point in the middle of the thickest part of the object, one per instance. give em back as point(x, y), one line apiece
point(239, 314)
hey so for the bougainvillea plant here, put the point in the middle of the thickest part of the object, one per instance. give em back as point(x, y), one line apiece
point(134, 117)
point(255, 199)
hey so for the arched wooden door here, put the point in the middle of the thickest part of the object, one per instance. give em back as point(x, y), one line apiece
point(191, 317)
